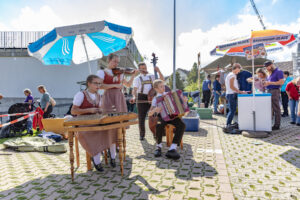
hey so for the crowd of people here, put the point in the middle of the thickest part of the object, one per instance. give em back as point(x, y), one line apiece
point(269, 79)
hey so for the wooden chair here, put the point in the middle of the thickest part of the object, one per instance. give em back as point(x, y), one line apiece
point(169, 130)
point(88, 157)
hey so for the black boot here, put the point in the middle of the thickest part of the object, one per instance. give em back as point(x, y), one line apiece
point(157, 152)
point(98, 166)
point(173, 154)
point(113, 163)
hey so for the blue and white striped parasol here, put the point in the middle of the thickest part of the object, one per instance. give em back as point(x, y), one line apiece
point(80, 43)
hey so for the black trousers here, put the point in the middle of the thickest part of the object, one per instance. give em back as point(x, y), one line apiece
point(179, 130)
point(143, 109)
point(130, 106)
point(285, 102)
point(206, 97)
point(49, 111)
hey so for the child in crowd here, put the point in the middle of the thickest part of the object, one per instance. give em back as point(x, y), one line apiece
point(259, 80)
point(159, 87)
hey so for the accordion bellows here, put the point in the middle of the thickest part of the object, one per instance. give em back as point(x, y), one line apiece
point(172, 105)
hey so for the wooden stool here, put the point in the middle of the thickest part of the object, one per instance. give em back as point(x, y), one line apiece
point(170, 134)
point(88, 157)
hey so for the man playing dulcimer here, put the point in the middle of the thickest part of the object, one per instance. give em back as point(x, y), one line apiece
point(88, 102)
point(159, 87)
point(142, 84)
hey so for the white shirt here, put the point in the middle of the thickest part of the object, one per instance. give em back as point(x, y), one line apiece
point(101, 74)
point(137, 83)
point(227, 83)
point(154, 101)
point(79, 97)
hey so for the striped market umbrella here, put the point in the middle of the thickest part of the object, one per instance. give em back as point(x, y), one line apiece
point(273, 40)
point(80, 43)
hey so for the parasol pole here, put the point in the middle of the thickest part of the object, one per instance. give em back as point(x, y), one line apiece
point(174, 47)
point(199, 81)
point(253, 89)
point(87, 56)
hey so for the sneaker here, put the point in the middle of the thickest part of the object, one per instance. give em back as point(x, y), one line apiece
point(113, 163)
point(298, 124)
point(157, 152)
point(141, 138)
point(98, 166)
point(217, 113)
point(275, 127)
point(173, 154)
point(292, 122)
point(235, 125)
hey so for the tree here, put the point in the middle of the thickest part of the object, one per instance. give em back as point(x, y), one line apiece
point(193, 75)
point(179, 82)
point(191, 87)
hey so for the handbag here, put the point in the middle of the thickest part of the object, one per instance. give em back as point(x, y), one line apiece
point(52, 101)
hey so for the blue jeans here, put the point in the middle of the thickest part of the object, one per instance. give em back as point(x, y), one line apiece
point(29, 124)
point(294, 109)
point(216, 101)
point(232, 102)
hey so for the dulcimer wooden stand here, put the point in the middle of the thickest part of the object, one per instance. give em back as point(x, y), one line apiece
point(98, 122)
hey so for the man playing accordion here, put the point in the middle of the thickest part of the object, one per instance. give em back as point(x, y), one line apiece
point(159, 87)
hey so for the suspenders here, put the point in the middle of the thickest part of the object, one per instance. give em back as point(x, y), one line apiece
point(145, 82)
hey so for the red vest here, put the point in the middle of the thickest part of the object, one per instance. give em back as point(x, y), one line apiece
point(88, 102)
point(108, 79)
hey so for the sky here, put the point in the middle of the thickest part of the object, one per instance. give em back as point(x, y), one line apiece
point(200, 24)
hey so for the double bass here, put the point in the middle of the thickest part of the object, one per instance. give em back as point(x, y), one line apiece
point(152, 93)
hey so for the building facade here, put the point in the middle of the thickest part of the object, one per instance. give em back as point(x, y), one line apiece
point(19, 71)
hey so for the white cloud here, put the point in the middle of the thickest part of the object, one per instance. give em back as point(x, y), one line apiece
point(274, 1)
point(190, 43)
point(152, 29)
point(43, 19)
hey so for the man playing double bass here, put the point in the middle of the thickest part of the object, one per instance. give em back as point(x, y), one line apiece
point(142, 84)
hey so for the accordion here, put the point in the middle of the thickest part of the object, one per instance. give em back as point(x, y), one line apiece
point(172, 105)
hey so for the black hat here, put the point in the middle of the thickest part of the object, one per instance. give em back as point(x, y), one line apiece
point(268, 63)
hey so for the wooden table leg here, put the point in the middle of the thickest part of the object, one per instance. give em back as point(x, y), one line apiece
point(70, 139)
point(120, 143)
point(77, 152)
point(88, 161)
point(124, 143)
point(105, 156)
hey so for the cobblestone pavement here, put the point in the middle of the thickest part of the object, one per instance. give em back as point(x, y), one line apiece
point(258, 169)
point(266, 168)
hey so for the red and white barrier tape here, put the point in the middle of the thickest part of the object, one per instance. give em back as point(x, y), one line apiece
point(19, 119)
point(15, 114)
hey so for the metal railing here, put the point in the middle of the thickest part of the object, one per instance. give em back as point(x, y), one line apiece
point(19, 39)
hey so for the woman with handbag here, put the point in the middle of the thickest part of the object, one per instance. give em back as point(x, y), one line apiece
point(45, 102)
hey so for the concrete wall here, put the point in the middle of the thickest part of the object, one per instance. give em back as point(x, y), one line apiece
point(18, 73)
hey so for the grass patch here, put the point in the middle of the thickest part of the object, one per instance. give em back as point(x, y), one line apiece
point(66, 197)
point(210, 195)
point(112, 197)
point(21, 198)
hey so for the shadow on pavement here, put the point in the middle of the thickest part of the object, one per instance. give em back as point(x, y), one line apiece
point(186, 167)
point(90, 185)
